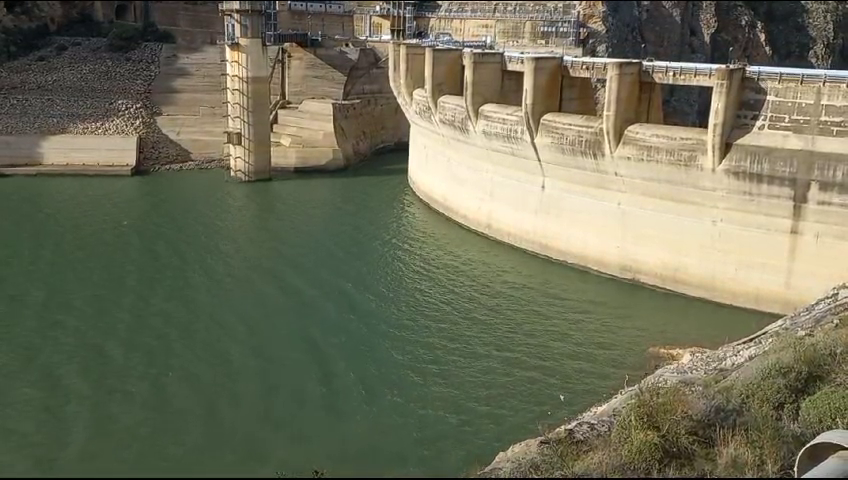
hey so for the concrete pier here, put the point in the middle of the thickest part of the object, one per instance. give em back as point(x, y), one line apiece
point(750, 211)
point(248, 92)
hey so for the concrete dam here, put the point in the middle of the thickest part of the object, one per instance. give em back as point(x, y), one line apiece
point(750, 211)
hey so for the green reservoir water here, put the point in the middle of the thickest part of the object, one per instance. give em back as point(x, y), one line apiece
point(183, 324)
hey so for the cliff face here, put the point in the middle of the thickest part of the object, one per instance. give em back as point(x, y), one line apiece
point(791, 34)
point(797, 34)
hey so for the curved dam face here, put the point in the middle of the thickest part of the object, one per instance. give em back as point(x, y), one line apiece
point(751, 211)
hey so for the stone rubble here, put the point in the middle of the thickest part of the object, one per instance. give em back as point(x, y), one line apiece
point(695, 364)
point(88, 90)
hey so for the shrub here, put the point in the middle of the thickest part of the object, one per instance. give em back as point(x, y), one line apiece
point(21, 41)
point(124, 38)
point(84, 26)
point(162, 36)
point(826, 410)
point(152, 33)
point(795, 371)
point(127, 37)
point(656, 430)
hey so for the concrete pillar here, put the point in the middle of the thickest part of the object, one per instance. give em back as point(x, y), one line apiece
point(442, 74)
point(650, 103)
point(621, 106)
point(483, 78)
point(577, 96)
point(394, 69)
point(248, 101)
point(724, 104)
point(411, 70)
point(542, 88)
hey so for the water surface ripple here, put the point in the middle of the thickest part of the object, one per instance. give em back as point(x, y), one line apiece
point(184, 324)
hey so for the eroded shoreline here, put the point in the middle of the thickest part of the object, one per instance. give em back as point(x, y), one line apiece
point(695, 364)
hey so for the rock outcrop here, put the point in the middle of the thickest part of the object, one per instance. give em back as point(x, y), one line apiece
point(692, 366)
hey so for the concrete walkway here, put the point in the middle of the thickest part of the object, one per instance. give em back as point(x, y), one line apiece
point(188, 90)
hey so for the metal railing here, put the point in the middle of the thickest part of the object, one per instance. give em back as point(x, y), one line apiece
point(485, 14)
point(472, 45)
point(802, 75)
point(551, 17)
point(679, 68)
point(249, 6)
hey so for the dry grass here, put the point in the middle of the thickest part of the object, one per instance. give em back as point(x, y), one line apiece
point(751, 424)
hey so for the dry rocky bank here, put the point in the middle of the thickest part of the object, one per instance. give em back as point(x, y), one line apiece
point(694, 365)
point(77, 86)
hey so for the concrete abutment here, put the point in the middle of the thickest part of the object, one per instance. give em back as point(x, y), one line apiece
point(724, 104)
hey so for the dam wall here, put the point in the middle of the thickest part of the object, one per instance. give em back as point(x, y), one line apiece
point(751, 211)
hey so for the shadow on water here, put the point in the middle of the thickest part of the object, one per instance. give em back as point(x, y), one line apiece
point(388, 164)
point(339, 325)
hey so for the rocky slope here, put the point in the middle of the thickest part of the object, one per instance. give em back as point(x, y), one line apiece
point(693, 365)
point(790, 33)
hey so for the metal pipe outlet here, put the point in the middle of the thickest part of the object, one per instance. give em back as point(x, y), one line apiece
point(824, 457)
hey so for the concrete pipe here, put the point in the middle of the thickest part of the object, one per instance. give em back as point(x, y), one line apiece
point(824, 457)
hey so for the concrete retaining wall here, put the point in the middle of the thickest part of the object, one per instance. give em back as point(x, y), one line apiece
point(761, 222)
point(189, 94)
point(191, 24)
point(345, 108)
point(319, 72)
point(368, 124)
point(68, 151)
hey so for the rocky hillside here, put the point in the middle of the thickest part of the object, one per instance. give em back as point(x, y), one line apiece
point(790, 33)
point(798, 34)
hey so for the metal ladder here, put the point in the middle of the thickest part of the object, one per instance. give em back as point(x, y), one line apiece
point(410, 20)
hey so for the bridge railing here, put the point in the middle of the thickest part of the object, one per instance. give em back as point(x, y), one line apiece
point(778, 74)
point(802, 75)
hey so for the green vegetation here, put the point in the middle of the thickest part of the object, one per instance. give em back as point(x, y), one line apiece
point(84, 26)
point(121, 37)
point(751, 423)
point(126, 37)
point(16, 42)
